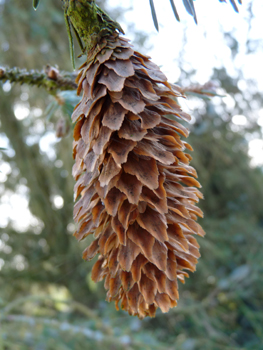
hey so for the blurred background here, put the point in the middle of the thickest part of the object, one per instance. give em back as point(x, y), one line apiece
point(47, 298)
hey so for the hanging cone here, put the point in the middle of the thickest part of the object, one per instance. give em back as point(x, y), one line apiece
point(135, 190)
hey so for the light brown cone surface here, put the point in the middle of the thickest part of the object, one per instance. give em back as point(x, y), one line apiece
point(135, 188)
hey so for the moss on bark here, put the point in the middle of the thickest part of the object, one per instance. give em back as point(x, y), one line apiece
point(90, 22)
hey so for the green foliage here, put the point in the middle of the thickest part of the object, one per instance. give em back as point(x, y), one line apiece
point(35, 4)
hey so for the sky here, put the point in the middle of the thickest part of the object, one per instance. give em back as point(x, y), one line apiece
point(205, 49)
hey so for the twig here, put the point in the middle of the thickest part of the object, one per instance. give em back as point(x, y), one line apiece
point(205, 91)
point(50, 79)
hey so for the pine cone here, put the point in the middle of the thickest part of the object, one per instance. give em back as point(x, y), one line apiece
point(134, 183)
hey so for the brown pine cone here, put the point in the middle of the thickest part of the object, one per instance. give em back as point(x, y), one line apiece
point(134, 186)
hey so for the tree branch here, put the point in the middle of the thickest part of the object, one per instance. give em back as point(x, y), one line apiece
point(50, 79)
point(91, 23)
point(205, 91)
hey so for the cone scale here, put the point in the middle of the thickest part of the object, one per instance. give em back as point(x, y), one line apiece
point(135, 191)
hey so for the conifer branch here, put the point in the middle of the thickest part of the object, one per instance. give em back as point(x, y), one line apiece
point(50, 79)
